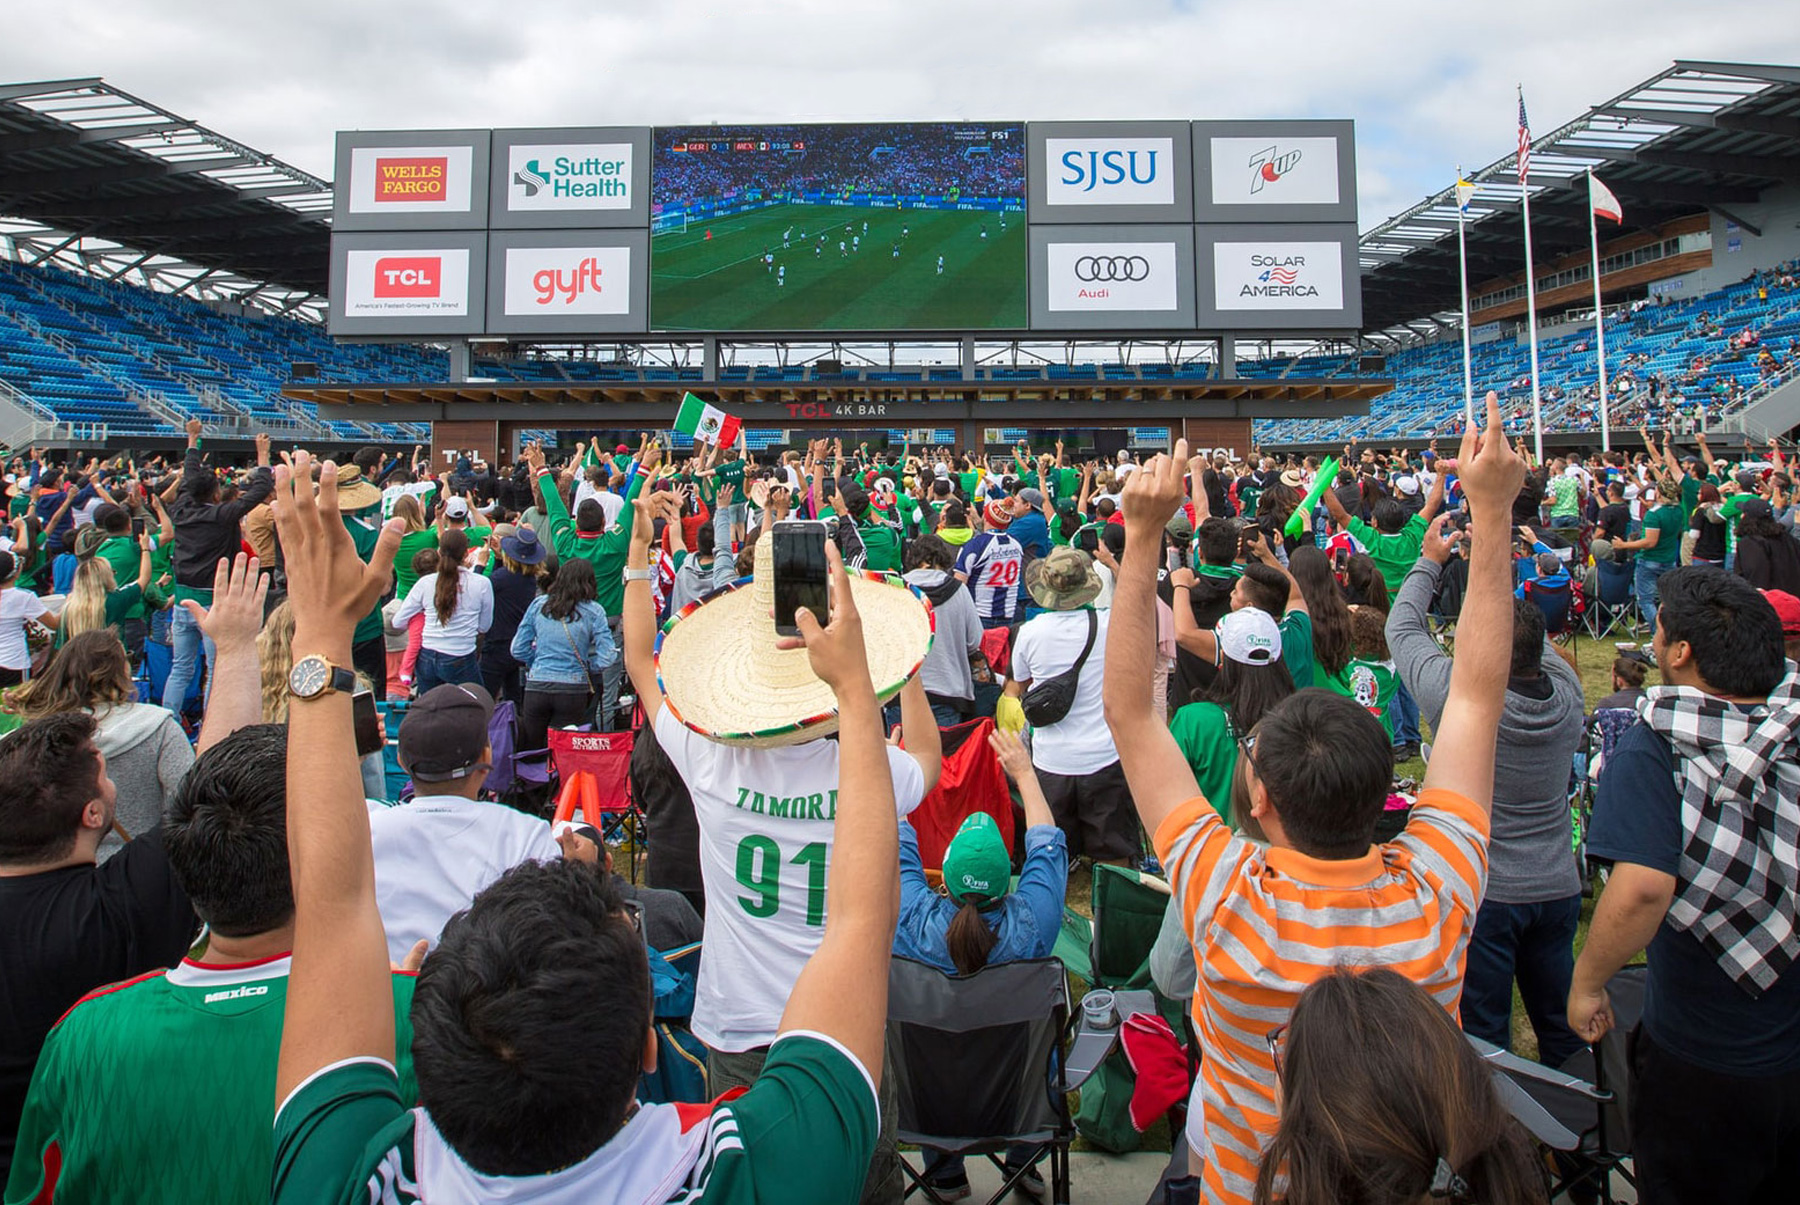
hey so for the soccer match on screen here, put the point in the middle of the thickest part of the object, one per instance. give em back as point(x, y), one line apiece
point(839, 227)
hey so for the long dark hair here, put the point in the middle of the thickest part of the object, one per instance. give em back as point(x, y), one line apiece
point(1249, 692)
point(1379, 1087)
point(453, 546)
point(1367, 586)
point(573, 585)
point(1325, 603)
point(970, 938)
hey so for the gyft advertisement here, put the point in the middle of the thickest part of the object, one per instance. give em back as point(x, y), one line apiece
point(411, 179)
point(427, 283)
point(567, 280)
point(1111, 276)
point(1278, 276)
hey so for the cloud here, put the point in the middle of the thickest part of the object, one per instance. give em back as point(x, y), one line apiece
point(1428, 87)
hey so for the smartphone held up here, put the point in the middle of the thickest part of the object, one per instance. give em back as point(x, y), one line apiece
point(802, 576)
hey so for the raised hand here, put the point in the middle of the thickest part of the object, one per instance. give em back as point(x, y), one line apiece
point(1154, 493)
point(835, 651)
point(236, 614)
point(329, 586)
point(1440, 539)
point(1490, 469)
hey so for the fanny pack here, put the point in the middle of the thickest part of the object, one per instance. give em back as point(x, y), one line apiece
point(1049, 701)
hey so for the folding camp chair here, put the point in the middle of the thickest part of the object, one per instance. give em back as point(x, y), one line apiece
point(593, 770)
point(1581, 1110)
point(1558, 606)
point(1610, 608)
point(978, 1065)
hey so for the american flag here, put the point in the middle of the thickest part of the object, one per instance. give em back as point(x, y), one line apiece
point(1524, 141)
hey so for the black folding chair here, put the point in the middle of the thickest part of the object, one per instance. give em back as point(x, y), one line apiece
point(978, 1066)
point(1582, 1109)
point(1611, 608)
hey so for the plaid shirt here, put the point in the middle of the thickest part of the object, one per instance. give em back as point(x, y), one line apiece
point(1739, 774)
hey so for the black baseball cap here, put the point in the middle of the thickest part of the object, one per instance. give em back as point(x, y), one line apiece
point(445, 733)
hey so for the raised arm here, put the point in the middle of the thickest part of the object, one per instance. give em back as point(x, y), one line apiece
point(231, 623)
point(638, 619)
point(340, 1002)
point(1157, 773)
point(1463, 758)
point(1434, 499)
point(842, 992)
point(919, 731)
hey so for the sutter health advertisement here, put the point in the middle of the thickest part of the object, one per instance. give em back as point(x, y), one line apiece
point(1111, 276)
point(568, 280)
point(1278, 276)
point(407, 284)
point(410, 179)
point(569, 176)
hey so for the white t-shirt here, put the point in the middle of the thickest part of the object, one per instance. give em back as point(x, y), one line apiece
point(474, 613)
point(16, 606)
point(766, 829)
point(434, 854)
point(422, 490)
point(1048, 644)
point(609, 502)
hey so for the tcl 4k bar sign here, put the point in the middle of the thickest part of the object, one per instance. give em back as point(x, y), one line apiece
point(406, 284)
point(398, 179)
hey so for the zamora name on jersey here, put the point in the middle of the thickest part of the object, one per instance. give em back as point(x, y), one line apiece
point(795, 807)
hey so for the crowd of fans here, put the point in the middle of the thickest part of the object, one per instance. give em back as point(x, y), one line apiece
point(236, 967)
point(913, 159)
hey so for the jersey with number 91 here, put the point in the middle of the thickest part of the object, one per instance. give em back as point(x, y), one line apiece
point(766, 828)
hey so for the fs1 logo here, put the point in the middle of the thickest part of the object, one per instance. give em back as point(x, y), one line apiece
point(1109, 171)
point(417, 178)
point(408, 276)
point(1269, 165)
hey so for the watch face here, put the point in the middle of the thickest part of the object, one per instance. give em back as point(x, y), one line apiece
point(308, 677)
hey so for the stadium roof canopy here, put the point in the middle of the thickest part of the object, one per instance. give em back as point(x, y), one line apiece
point(1698, 136)
point(103, 182)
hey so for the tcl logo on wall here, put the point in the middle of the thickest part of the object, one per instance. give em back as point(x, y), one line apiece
point(568, 280)
point(406, 283)
point(568, 176)
point(1278, 276)
point(1270, 170)
point(1109, 171)
point(1111, 276)
point(411, 179)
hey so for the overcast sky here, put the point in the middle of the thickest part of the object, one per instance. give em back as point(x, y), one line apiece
point(1428, 84)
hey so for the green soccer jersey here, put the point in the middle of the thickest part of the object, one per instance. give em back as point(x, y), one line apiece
point(803, 1133)
point(1393, 554)
point(1370, 683)
point(1203, 733)
point(161, 1089)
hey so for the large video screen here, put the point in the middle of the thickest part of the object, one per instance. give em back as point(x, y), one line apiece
point(918, 226)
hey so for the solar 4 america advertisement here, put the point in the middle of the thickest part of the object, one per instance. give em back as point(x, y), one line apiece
point(846, 229)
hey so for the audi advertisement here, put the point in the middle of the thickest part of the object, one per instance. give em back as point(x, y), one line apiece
point(1159, 227)
point(1112, 277)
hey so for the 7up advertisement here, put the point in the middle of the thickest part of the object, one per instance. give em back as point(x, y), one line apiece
point(568, 176)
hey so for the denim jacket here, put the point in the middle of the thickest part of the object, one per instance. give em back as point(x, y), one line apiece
point(1027, 920)
point(560, 651)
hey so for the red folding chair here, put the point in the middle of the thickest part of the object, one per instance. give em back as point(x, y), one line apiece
point(594, 773)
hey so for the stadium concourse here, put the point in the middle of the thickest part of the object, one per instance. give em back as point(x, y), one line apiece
point(578, 811)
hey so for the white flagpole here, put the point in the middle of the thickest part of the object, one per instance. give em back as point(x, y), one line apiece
point(1599, 321)
point(1537, 403)
point(1462, 259)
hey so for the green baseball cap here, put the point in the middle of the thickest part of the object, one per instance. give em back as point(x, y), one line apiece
point(977, 863)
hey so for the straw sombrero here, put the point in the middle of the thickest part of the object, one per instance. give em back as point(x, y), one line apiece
point(722, 675)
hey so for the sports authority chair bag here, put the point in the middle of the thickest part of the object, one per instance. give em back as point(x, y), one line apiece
point(971, 781)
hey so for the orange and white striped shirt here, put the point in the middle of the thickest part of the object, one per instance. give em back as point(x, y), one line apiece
point(1265, 923)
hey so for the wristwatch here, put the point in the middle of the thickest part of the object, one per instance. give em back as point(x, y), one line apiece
point(638, 575)
point(315, 677)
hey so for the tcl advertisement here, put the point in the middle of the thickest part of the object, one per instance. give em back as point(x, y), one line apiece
point(561, 281)
point(1278, 276)
point(1274, 171)
point(411, 179)
point(406, 284)
point(1111, 276)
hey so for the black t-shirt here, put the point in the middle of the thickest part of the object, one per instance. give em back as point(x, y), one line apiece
point(64, 933)
point(1529, 501)
point(1210, 598)
point(1692, 1008)
point(1709, 541)
point(1615, 520)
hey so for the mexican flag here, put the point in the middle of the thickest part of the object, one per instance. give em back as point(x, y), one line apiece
point(706, 422)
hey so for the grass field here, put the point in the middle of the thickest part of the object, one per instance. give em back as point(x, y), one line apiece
point(722, 283)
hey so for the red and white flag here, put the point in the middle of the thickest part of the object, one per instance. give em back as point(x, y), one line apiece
point(1604, 203)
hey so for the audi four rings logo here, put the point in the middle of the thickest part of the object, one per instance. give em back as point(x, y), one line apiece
point(1112, 267)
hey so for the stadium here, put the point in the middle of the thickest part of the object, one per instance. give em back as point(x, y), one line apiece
point(765, 539)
